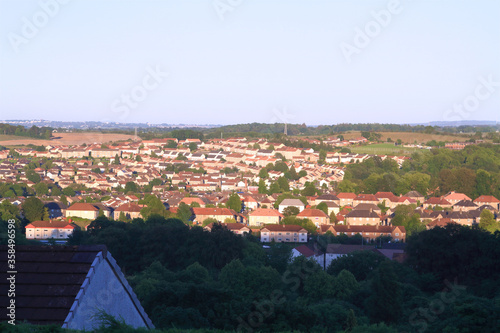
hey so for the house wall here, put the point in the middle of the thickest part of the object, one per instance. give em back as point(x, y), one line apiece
point(86, 214)
point(105, 291)
point(47, 233)
point(281, 208)
point(220, 218)
point(283, 237)
point(261, 220)
point(362, 221)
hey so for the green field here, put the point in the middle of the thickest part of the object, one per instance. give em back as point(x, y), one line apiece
point(386, 149)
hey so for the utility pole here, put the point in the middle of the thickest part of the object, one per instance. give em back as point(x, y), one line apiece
point(285, 131)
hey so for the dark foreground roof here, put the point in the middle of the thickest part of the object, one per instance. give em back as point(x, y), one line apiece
point(48, 280)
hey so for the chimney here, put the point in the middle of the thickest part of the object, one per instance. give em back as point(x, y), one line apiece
point(70, 221)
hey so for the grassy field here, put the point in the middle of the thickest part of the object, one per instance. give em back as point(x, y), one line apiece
point(409, 137)
point(64, 139)
point(386, 149)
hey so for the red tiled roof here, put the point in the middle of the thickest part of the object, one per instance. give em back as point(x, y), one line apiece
point(305, 251)
point(57, 224)
point(456, 196)
point(439, 222)
point(189, 201)
point(129, 207)
point(436, 201)
point(310, 212)
point(346, 195)
point(82, 206)
point(265, 212)
point(283, 227)
point(487, 198)
point(212, 211)
point(369, 197)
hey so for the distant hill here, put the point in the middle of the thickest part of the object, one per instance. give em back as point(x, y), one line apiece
point(459, 123)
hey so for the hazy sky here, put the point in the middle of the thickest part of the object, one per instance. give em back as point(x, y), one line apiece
point(240, 61)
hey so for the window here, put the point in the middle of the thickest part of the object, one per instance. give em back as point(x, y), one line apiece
point(279, 233)
point(287, 233)
point(397, 233)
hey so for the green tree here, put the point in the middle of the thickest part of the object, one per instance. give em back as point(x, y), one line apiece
point(193, 146)
point(64, 200)
point(263, 173)
point(131, 187)
point(262, 187)
point(8, 211)
point(184, 212)
point(33, 176)
point(117, 160)
point(234, 202)
point(68, 191)
point(333, 218)
point(154, 206)
point(487, 221)
point(291, 211)
point(122, 217)
point(209, 220)
point(309, 190)
point(345, 285)
point(33, 209)
point(274, 188)
point(41, 189)
point(323, 207)
point(385, 301)
point(351, 321)
point(322, 156)
point(283, 184)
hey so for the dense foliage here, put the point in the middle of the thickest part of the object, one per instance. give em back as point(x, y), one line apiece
point(473, 171)
point(187, 278)
point(33, 132)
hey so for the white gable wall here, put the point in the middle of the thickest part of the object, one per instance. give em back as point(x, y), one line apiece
point(105, 288)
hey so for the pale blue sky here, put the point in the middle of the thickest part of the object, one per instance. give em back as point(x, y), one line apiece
point(259, 61)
